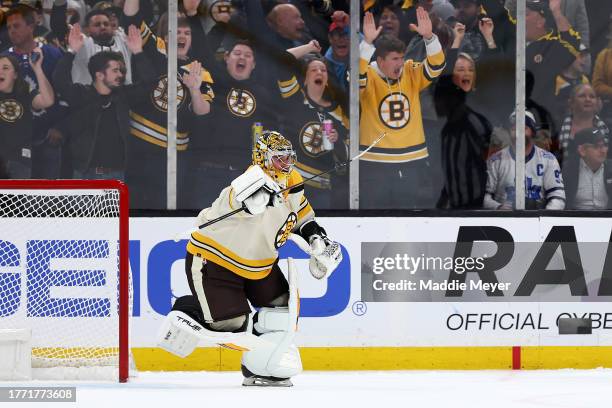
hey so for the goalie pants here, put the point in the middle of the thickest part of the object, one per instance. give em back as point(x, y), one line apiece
point(223, 295)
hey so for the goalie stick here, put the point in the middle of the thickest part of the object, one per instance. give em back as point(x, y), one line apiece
point(335, 168)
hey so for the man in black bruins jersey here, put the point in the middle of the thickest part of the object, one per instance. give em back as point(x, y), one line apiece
point(149, 121)
point(395, 173)
point(243, 97)
point(234, 262)
point(241, 101)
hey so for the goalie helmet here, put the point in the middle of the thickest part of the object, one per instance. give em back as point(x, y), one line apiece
point(274, 153)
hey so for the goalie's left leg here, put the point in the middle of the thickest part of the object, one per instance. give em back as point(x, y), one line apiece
point(275, 366)
point(276, 322)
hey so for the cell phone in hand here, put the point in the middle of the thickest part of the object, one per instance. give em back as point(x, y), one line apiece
point(35, 56)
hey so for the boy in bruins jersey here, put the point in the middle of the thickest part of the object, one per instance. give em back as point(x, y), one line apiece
point(395, 174)
point(235, 261)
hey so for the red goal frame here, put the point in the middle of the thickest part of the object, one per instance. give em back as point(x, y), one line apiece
point(124, 216)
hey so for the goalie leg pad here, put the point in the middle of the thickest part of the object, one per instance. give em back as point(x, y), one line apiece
point(270, 319)
point(178, 334)
point(281, 361)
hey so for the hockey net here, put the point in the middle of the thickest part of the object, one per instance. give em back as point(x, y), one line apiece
point(64, 275)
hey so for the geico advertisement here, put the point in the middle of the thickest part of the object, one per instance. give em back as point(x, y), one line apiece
point(518, 296)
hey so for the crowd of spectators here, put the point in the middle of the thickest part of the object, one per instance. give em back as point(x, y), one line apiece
point(84, 94)
point(452, 133)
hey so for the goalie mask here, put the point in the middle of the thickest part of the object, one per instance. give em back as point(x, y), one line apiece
point(274, 153)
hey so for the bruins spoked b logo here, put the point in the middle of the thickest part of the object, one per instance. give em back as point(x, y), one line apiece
point(160, 94)
point(240, 102)
point(394, 110)
point(311, 139)
point(283, 233)
point(11, 110)
point(219, 7)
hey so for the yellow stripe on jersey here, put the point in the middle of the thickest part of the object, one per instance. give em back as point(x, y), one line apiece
point(305, 209)
point(395, 158)
point(289, 88)
point(138, 118)
point(211, 250)
point(137, 133)
point(232, 346)
point(206, 77)
point(339, 115)
point(145, 32)
point(155, 134)
point(368, 4)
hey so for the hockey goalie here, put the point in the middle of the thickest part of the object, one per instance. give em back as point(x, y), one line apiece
point(234, 263)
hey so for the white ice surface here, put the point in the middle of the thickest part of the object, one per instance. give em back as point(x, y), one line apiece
point(419, 389)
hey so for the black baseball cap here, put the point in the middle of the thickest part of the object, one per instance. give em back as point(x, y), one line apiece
point(589, 136)
point(540, 6)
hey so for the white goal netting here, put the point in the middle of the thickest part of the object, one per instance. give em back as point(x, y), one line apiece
point(60, 277)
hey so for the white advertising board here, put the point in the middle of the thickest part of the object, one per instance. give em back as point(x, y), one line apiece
point(334, 315)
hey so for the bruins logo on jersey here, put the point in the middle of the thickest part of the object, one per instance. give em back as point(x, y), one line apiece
point(283, 233)
point(241, 102)
point(220, 7)
point(160, 94)
point(11, 110)
point(394, 110)
point(311, 139)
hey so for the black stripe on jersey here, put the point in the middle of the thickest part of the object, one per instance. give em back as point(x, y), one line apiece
point(403, 150)
point(426, 75)
point(296, 189)
point(303, 205)
point(436, 67)
point(363, 80)
point(553, 189)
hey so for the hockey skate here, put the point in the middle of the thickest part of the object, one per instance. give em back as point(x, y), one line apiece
point(252, 380)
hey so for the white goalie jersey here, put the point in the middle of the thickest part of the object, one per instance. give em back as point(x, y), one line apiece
point(245, 244)
point(543, 181)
